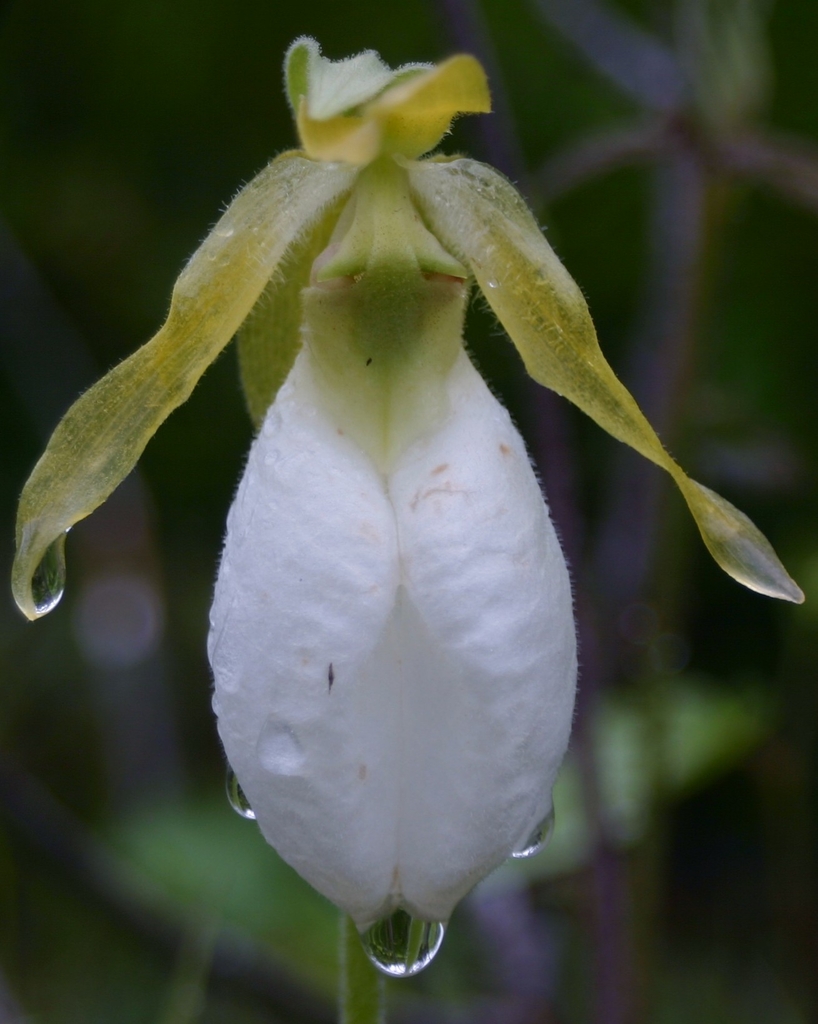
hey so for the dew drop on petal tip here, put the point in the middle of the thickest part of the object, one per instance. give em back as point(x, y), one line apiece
point(538, 840)
point(238, 801)
point(400, 945)
point(48, 581)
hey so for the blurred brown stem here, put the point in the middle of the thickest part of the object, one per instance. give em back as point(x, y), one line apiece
point(788, 165)
point(10, 1012)
point(635, 61)
point(600, 153)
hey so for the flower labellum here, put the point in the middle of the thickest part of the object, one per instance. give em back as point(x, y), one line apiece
point(392, 634)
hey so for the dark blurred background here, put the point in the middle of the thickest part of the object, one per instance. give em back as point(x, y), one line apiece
point(671, 148)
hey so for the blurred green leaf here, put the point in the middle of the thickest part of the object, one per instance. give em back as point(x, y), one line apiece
point(219, 866)
point(692, 731)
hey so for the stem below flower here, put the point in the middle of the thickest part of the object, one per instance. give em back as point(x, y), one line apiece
point(361, 990)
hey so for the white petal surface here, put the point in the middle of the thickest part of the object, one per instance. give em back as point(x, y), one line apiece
point(308, 579)
point(483, 567)
point(441, 600)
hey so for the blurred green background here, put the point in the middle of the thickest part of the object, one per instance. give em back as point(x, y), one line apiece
point(681, 881)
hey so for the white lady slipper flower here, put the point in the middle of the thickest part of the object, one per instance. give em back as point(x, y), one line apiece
point(392, 636)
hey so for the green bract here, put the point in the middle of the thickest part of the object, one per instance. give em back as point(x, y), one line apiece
point(363, 128)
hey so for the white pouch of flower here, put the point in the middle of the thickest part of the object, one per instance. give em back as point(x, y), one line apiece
point(394, 654)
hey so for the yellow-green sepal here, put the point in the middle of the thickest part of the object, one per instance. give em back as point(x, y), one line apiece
point(358, 109)
point(481, 219)
point(270, 337)
point(103, 434)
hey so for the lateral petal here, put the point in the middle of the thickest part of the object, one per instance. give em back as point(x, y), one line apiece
point(103, 434)
point(479, 216)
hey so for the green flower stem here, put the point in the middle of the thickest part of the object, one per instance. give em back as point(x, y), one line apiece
point(361, 993)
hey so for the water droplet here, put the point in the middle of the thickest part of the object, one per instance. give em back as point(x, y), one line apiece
point(279, 749)
point(400, 945)
point(491, 283)
point(238, 801)
point(539, 838)
point(48, 581)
